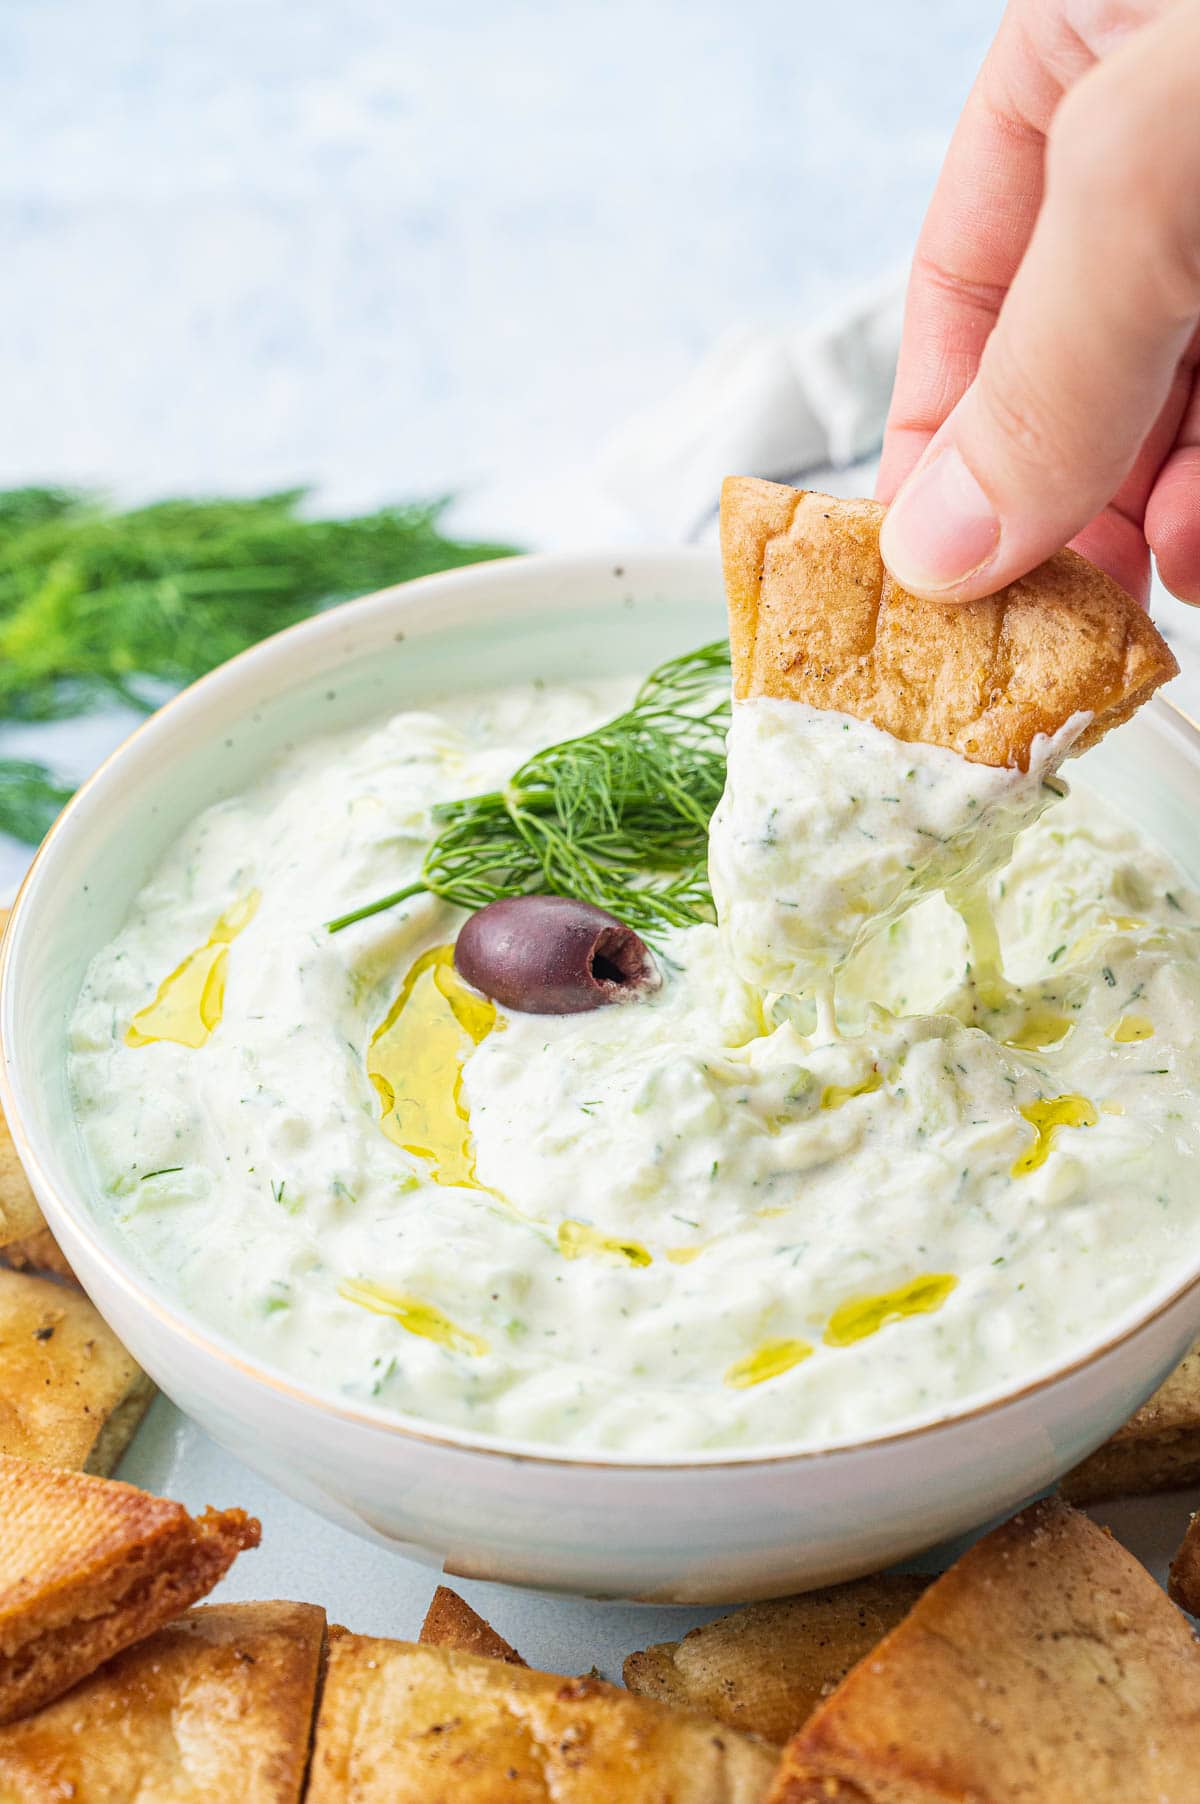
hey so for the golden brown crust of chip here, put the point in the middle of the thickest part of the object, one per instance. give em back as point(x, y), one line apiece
point(215, 1709)
point(38, 1252)
point(89, 1566)
point(69, 1392)
point(1184, 1579)
point(451, 1622)
point(766, 1668)
point(405, 1724)
point(1046, 1667)
point(815, 617)
point(19, 1213)
point(1158, 1449)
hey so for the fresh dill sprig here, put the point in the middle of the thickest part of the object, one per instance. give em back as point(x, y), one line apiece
point(95, 601)
point(618, 816)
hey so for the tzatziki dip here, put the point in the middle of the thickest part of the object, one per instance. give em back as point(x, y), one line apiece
point(830, 829)
point(715, 1216)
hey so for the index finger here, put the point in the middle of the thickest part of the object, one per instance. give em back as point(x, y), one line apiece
point(977, 227)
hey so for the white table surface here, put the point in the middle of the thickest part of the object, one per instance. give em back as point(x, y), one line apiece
point(394, 249)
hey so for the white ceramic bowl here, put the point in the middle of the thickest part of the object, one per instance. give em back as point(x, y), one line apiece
point(705, 1528)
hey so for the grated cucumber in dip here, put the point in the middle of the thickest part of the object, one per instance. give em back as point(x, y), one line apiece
point(830, 828)
point(714, 1217)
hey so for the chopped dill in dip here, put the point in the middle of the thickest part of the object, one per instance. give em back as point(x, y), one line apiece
point(712, 1217)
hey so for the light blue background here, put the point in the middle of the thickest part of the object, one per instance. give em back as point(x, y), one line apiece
point(398, 248)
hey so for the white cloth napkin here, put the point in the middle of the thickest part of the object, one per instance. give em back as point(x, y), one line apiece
point(761, 403)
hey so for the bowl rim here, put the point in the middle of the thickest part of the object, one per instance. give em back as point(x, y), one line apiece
point(213, 1346)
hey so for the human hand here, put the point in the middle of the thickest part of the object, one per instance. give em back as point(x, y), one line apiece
point(1047, 386)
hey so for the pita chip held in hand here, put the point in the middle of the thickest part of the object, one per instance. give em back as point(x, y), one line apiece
point(884, 747)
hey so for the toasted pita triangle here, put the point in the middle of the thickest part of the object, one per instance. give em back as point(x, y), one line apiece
point(88, 1566)
point(215, 1709)
point(1184, 1577)
point(451, 1622)
point(19, 1213)
point(69, 1392)
point(404, 1724)
point(765, 1669)
point(1046, 1666)
point(38, 1252)
point(815, 617)
point(1158, 1449)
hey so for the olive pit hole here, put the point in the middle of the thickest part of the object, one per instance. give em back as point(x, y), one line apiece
point(618, 958)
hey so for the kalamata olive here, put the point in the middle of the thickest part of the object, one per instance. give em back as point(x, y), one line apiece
point(551, 955)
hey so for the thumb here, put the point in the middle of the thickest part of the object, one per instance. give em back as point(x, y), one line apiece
point(1085, 349)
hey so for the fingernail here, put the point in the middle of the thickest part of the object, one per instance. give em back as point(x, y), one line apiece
point(941, 527)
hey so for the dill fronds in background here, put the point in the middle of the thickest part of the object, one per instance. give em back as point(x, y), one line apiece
point(30, 798)
point(98, 605)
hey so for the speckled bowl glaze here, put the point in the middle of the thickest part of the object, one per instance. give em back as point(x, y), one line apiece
point(701, 1528)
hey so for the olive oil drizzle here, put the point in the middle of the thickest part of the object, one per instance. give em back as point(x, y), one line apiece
point(415, 1062)
point(771, 1360)
point(983, 939)
point(685, 1254)
point(862, 1316)
point(1104, 929)
point(1131, 1028)
point(1046, 1118)
point(577, 1240)
point(852, 1321)
point(834, 1095)
point(1039, 1031)
point(413, 1314)
point(190, 1002)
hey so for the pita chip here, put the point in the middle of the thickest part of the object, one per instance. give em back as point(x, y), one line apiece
point(766, 1668)
point(405, 1724)
point(69, 1392)
point(19, 1213)
point(216, 1707)
point(38, 1252)
point(451, 1622)
point(1046, 1667)
point(815, 617)
point(808, 862)
point(1184, 1583)
point(1158, 1449)
point(89, 1566)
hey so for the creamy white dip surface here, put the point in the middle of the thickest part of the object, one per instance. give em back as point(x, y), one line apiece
point(698, 1220)
point(830, 828)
